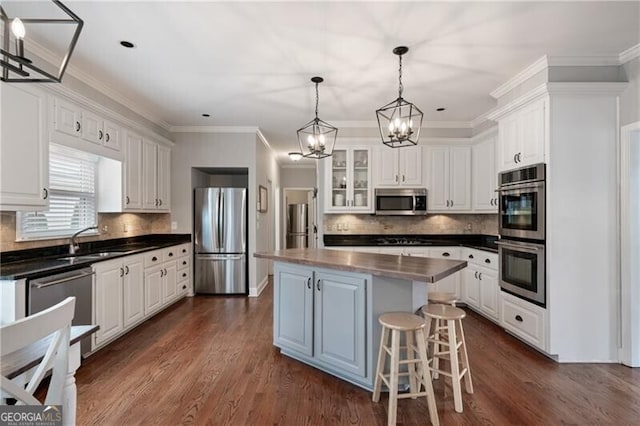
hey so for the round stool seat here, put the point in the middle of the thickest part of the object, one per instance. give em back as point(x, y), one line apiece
point(401, 321)
point(442, 297)
point(443, 312)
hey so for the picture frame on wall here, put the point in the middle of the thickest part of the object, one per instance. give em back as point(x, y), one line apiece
point(262, 199)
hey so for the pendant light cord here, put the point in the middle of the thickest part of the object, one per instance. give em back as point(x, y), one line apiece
point(400, 86)
point(317, 97)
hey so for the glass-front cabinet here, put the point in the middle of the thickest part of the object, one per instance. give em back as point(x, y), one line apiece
point(348, 181)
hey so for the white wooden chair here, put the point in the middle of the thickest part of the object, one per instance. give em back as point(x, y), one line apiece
point(54, 323)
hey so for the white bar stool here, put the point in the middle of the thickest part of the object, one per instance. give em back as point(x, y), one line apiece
point(415, 359)
point(454, 341)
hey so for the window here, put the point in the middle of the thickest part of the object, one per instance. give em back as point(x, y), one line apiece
point(72, 198)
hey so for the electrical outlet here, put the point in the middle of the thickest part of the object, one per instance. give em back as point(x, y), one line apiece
point(105, 228)
point(345, 226)
point(339, 227)
point(174, 225)
point(469, 226)
point(125, 227)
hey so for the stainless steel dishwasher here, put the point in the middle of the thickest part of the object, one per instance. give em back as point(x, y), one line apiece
point(48, 291)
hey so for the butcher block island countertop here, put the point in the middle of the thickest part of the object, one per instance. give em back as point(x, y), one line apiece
point(326, 304)
point(412, 268)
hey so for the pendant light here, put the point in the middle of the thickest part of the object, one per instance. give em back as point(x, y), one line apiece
point(399, 121)
point(317, 137)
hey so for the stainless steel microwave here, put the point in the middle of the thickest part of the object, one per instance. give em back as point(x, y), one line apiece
point(401, 201)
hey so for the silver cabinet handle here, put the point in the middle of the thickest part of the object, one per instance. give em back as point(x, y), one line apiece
point(480, 276)
point(128, 200)
point(515, 158)
point(451, 203)
point(108, 137)
point(318, 285)
point(447, 203)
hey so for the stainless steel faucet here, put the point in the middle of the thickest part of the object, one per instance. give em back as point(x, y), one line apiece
point(73, 247)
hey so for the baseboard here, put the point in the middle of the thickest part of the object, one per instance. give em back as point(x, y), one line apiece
point(255, 292)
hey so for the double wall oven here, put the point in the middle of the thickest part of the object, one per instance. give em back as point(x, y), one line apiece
point(522, 233)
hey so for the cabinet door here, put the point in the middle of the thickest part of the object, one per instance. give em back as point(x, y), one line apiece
point(67, 118)
point(386, 166)
point(508, 142)
point(91, 129)
point(153, 289)
point(293, 309)
point(133, 172)
point(484, 176)
point(111, 137)
point(337, 181)
point(438, 178)
point(109, 292)
point(361, 197)
point(24, 144)
point(164, 177)
point(133, 291)
point(339, 335)
point(410, 166)
point(532, 133)
point(149, 175)
point(170, 282)
point(471, 285)
point(460, 178)
point(489, 291)
point(450, 284)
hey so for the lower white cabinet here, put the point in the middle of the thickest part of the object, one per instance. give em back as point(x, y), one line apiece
point(480, 287)
point(133, 288)
point(109, 300)
point(321, 315)
point(450, 284)
point(153, 289)
point(524, 319)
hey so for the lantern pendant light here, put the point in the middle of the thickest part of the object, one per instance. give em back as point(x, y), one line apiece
point(317, 137)
point(399, 121)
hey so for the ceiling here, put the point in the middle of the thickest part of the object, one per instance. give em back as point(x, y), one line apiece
point(250, 63)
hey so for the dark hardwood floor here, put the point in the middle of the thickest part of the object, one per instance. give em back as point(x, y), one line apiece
point(210, 360)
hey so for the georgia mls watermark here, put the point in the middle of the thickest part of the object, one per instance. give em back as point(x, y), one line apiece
point(31, 415)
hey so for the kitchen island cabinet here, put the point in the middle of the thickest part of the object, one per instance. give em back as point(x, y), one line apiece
point(327, 304)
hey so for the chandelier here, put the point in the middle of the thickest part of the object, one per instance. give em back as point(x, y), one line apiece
point(317, 137)
point(399, 121)
point(16, 66)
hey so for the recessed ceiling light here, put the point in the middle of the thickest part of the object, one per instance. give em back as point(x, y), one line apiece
point(206, 115)
point(440, 109)
point(127, 44)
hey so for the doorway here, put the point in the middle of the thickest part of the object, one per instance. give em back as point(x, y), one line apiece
point(630, 241)
point(300, 202)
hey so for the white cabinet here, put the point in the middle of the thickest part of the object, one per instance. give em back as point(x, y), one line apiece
point(153, 289)
point(184, 270)
point(156, 177)
point(70, 119)
point(449, 178)
point(132, 172)
point(133, 290)
point(348, 181)
point(484, 176)
point(321, 315)
point(522, 136)
point(480, 287)
point(524, 319)
point(24, 144)
point(398, 166)
point(109, 300)
point(450, 284)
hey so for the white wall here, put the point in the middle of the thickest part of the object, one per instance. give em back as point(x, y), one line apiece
point(630, 98)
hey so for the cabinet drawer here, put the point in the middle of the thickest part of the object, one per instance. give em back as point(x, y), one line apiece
point(524, 319)
point(445, 252)
point(153, 258)
point(183, 250)
point(481, 258)
point(183, 263)
point(183, 274)
point(170, 253)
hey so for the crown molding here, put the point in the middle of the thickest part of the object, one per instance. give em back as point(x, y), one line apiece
point(630, 54)
point(489, 132)
point(480, 119)
point(96, 84)
point(297, 166)
point(533, 69)
point(583, 61)
point(425, 124)
point(587, 89)
point(214, 129)
point(498, 113)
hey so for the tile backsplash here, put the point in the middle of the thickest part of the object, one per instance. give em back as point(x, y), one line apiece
point(430, 224)
point(119, 225)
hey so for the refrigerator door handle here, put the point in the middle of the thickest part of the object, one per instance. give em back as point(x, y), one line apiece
point(219, 256)
point(219, 215)
point(222, 224)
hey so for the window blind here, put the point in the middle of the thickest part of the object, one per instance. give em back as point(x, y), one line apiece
point(72, 198)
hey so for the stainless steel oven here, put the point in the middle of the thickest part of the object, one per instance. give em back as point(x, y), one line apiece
point(522, 270)
point(522, 203)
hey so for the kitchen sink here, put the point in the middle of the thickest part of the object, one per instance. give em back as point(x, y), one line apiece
point(91, 256)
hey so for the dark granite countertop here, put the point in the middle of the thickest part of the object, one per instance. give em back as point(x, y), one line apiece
point(476, 241)
point(41, 262)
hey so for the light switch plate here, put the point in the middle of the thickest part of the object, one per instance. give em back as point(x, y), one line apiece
point(174, 225)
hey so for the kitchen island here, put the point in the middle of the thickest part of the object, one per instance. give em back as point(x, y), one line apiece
point(326, 304)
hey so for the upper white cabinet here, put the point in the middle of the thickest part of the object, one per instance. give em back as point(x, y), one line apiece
point(132, 172)
point(484, 176)
point(449, 178)
point(156, 164)
point(348, 181)
point(24, 163)
point(70, 119)
point(522, 136)
point(398, 166)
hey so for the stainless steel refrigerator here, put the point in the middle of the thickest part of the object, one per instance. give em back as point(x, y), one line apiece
point(220, 240)
point(297, 226)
